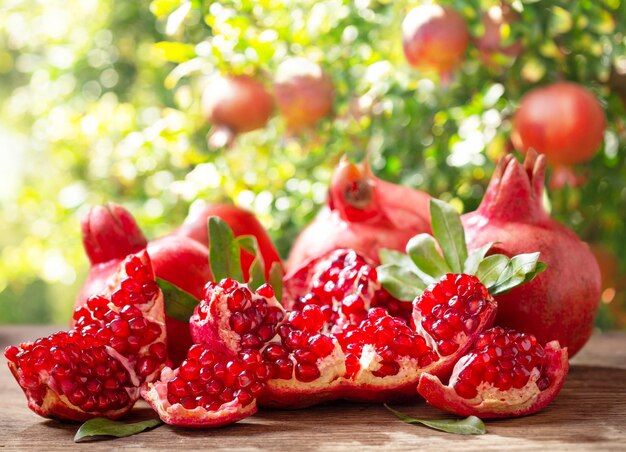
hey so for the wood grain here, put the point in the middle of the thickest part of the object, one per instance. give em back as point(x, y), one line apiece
point(589, 414)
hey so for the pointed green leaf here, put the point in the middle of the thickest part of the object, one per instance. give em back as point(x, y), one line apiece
point(448, 231)
point(179, 304)
point(423, 253)
point(516, 272)
point(393, 257)
point(400, 282)
point(257, 268)
point(469, 426)
point(490, 269)
point(99, 427)
point(276, 280)
point(475, 258)
point(223, 251)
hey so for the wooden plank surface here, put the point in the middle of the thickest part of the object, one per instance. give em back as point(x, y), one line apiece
point(589, 414)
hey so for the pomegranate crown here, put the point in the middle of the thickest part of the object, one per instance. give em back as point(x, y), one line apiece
point(406, 276)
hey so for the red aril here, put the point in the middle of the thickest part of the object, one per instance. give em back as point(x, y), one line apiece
point(304, 93)
point(96, 368)
point(363, 213)
point(560, 303)
point(563, 120)
point(240, 220)
point(110, 233)
point(434, 38)
point(505, 374)
point(235, 104)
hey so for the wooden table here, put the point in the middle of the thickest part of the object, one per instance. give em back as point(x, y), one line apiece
point(588, 415)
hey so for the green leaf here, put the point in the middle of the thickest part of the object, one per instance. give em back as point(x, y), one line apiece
point(96, 428)
point(490, 269)
point(518, 271)
point(469, 426)
point(448, 231)
point(423, 253)
point(400, 281)
point(178, 303)
point(394, 257)
point(276, 280)
point(257, 268)
point(475, 258)
point(223, 251)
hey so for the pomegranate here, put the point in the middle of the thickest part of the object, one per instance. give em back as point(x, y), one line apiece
point(241, 221)
point(363, 213)
point(563, 120)
point(434, 38)
point(110, 233)
point(224, 371)
point(489, 44)
point(560, 303)
point(505, 374)
point(304, 93)
point(235, 104)
point(96, 368)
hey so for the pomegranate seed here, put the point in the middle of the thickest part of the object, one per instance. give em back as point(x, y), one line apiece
point(266, 291)
point(307, 372)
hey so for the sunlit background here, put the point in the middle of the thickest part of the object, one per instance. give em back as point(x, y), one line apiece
point(101, 101)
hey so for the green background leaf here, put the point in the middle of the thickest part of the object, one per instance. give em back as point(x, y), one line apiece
point(471, 425)
point(223, 251)
point(448, 231)
point(179, 304)
point(97, 428)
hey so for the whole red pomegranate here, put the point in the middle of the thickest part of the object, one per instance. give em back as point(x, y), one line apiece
point(434, 38)
point(235, 104)
point(96, 368)
point(564, 121)
point(489, 44)
point(560, 304)
point(240, 220)
point(363, 213)
point(304, 93)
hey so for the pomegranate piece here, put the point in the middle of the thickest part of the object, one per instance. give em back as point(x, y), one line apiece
point(224, 371)
point(505, 374)
point(96, 368)
point(363, 213)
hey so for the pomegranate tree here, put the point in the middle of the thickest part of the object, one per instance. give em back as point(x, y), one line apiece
point(563, 120)
point(561, 303)
point(363, 213)
point(96, 368)
point(304, 93)
point(434, 38)
point(235, 104)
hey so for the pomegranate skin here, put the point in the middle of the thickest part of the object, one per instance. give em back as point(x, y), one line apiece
point(434, 37)
point(560, 303)
point(363, 213)
point(239, 103)
point(564, 121)
point(241, 221)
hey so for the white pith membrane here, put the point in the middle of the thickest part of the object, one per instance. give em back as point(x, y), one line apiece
point(55, 403)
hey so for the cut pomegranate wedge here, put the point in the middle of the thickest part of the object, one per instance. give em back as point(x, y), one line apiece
point(506, 374)
point(96, 368)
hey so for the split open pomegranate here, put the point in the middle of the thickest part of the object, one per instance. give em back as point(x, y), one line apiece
point(96, 368)
point(506, 373)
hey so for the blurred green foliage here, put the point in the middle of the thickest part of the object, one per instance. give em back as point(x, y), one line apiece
point(101, 101)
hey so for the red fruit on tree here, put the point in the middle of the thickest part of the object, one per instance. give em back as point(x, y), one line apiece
point(110, 233)
point(363, 213)
point(241, 221)
point(96, 368)
point(563, 120)
point(434, 38)
point(505, 374)
point(235, 104)
point(489, 44)
point(560, 304)
point(304, 93)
